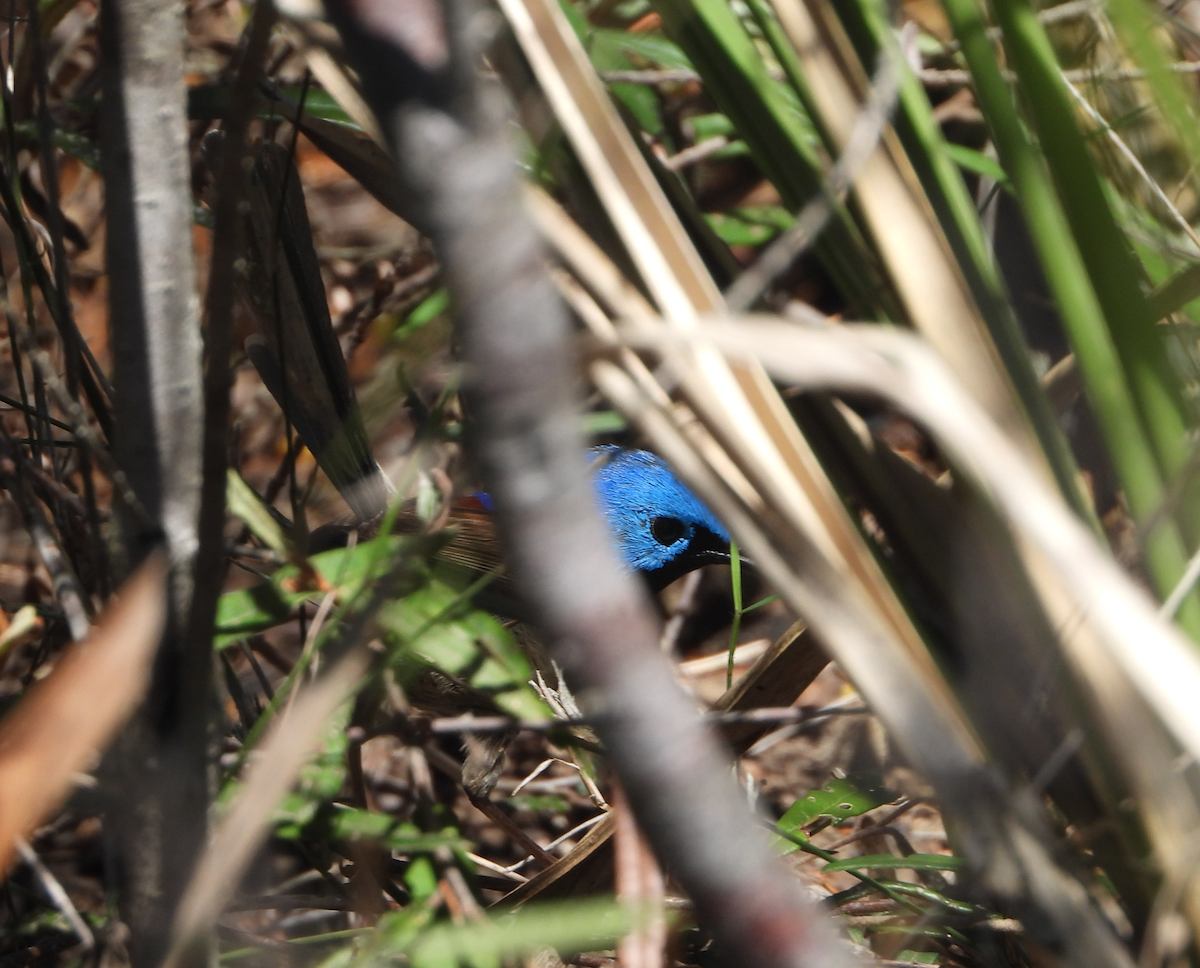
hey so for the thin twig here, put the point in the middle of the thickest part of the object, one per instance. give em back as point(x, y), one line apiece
point(780, 716)
point(79, 425)
point(951, 77)
point(491, 865)
point(860, 146)
point(875, 827)
point(24, 408)
point(696, 153)
point(673, 75)
point(1135, 163)
point(57, 894)
point(289, 902)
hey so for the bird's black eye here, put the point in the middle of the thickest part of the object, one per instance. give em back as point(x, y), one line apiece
point(667, 531)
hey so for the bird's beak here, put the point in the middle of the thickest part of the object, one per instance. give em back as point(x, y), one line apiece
point(706, 548)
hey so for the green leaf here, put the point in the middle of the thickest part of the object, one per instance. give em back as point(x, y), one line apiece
point(902, 888)
point(579, 24)
point(422, 882)
point(604, 422)
point(549, 803)
point(245, 503)
point(209, 102)
point(1176, 292)
point(249, 611)
point(426, 311)
point(840, 799)
point(607, 54)
point(705, 126)
point(977, 162)
point(916, 862)
point(350, 824)
point(917, 957)
point(437, 626)
point(751, 225)
point(566, 926)
point(654, 50)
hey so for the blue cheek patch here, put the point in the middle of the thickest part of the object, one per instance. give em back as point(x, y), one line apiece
point(633, 487)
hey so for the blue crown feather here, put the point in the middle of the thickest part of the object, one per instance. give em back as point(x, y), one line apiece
point(661, 528)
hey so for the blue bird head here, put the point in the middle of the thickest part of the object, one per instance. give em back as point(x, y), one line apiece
point(661, 528)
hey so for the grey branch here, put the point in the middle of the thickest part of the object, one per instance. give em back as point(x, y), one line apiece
point(157, 773)
point(448, 136)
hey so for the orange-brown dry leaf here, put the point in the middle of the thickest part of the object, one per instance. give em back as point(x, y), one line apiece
point(57, 728)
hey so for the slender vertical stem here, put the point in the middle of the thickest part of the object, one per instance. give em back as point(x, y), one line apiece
point(157, 821)
point(735, 574)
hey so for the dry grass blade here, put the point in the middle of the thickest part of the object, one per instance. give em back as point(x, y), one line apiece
point(1138, 671)
point(57, 729)
point(912, 697)
point(737, 402)
point(935, 294)
point(1006, 857)
point(640, 884)
point(901, 369)
point(333, 78)
point(759, 437)
point(668, 263)
point(233, 844)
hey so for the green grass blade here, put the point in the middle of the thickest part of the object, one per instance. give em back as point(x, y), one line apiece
point(782, 138)
point(1099, 360)
point(1137, 26)
point(1115, 272)
point(867, 24)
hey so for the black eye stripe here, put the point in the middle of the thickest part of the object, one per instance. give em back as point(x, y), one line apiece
point(666, 531)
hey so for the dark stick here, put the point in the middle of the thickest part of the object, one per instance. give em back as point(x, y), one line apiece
point(71, 336)
point(447, 133)
point(770, 716)
point(230, 188)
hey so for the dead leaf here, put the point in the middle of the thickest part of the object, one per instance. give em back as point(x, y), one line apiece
point(57, 728)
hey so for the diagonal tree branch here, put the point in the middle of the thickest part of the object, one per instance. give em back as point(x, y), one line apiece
point(447, 132)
